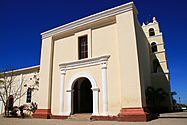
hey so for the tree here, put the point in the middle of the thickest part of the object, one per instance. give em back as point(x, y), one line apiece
point(154, 98)
point(11, 89)
point(174, 101)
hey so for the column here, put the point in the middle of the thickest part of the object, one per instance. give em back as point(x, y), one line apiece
point(68, 101)
point(62, 77)
point(95, 101)
point(104, 87)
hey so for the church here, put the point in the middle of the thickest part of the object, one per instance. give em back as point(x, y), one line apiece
point(102, 65)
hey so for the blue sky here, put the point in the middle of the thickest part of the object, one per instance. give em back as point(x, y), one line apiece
point(22, 21)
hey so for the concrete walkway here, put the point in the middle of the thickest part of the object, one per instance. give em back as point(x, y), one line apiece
point(160, 121)
point(174, 115)
point(15, 121)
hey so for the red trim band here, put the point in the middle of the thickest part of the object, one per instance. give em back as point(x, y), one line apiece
point(42, 113)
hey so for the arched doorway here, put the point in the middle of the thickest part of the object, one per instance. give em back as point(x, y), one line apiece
point(82, 96)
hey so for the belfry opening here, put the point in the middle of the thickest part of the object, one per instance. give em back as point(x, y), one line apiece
point(82, 96)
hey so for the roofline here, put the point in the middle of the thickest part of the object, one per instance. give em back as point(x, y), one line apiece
point(90, 19)
point(23, 69)
point(27, 68)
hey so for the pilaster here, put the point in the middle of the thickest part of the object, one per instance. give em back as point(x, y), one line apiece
point(128, 59)
point(104, 87)
point(62, 77)
point(46, 63)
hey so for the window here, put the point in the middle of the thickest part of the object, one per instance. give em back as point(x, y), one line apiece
point(29, 95)
point(83, 47)
point(151, 32)
point(154, 47)
point(156, 65)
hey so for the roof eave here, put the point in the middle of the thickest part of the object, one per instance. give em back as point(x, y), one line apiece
point(90, 19)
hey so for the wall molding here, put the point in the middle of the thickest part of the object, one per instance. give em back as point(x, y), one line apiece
point(84, 63)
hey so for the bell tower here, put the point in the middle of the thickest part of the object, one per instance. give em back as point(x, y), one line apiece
point(160, 76)
point(158, 52)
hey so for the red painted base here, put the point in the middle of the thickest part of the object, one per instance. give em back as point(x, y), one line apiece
point(126, 114)
point(42, 113)
point(134, 115)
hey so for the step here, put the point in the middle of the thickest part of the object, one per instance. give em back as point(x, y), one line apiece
point(80, 117)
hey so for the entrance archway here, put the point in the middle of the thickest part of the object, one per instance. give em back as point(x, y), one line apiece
point(82, 96)
point(69, 93)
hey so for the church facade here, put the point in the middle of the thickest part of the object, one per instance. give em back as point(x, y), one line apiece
point(102, 65)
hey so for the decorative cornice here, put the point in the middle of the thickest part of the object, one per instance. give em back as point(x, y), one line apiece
point(155, 53)
point(95, 89)
point(149, 24)
point(160, 73)
point(157, 35)
point(90, 19)
point(164, 61)
point(84, 63)
point(158, 44)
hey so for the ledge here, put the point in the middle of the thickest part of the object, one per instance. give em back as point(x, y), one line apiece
point(90, 19)
point(84, 63)
point(160, 73)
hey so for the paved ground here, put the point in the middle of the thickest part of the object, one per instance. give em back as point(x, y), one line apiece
point(175, 115)
point(161, 121)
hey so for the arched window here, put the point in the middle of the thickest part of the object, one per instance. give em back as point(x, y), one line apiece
point(151, 32)
point(29, 95)
point(154, 47)
point(156, 64)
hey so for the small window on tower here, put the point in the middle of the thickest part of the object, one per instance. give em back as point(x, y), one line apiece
point(83, 47)
point(154, 47)
point(151, 32)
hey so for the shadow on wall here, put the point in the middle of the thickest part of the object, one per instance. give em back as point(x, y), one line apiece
point(158, 95)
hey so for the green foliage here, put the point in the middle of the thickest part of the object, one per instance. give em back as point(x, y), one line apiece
point(155, 97)
point(174, 101)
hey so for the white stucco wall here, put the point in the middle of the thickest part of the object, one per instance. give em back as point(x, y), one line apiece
point(22, 80)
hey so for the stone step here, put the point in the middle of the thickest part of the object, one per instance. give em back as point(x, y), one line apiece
point(80, 117)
